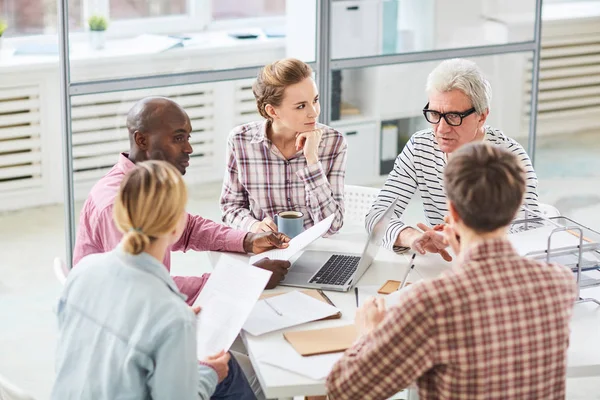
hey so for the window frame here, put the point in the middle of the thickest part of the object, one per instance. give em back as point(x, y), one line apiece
point(197, 19)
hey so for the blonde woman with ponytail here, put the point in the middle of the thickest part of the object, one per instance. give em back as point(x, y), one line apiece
point(125, 329)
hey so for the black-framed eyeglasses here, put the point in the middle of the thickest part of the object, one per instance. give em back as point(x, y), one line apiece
point(453, 118)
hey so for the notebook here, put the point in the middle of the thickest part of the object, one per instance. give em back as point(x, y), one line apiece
point(322, 341)
point(315, 294)
point(284, 311)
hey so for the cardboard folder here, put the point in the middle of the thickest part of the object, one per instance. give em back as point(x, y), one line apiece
point(322, 341)
point(315, 294)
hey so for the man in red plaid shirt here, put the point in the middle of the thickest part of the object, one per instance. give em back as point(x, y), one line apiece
point(496, 326)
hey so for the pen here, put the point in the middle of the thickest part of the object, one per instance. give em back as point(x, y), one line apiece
point(356, 294)
point(325, 297)
point(273, 308)
point(410, 267)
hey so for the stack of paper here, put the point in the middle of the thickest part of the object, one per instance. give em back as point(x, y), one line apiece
point(290, 309)
point(297, 243)
point(314, 367)
point(531, 240)
point(226, 300)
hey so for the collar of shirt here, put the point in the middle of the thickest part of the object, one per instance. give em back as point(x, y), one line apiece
point(150, 265)
point(486, 128)
point(492, 248)
point(124, 163)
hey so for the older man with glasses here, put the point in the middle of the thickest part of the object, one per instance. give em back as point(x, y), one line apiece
point(459, 103)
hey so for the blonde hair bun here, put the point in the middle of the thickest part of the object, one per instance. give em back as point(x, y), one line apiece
point(150, 202)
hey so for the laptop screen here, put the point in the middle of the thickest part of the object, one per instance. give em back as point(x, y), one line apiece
point(374, 242)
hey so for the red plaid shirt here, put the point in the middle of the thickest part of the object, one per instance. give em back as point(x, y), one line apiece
point(260, 181)
point(494, 327)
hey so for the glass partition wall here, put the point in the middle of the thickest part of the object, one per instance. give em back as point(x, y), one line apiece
point(371, 59)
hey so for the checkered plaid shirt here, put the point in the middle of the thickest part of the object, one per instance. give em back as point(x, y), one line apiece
point(494, 327)
point(260, 181)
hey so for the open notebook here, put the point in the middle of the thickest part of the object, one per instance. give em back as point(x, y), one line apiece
point(315, 294)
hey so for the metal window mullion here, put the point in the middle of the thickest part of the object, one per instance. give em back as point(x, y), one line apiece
point(535, 79)
point(323, 57)
point(69, 195)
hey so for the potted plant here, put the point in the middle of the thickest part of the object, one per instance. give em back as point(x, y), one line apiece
point(98, 25)
point(3, 27)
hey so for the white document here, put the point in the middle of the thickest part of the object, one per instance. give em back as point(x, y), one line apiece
point(226, 300)
point(393, 298)
point(531, 240)
point(283, 311)
point(313, 367)
point(389, 142)
point(365, 292)
point(297, 243)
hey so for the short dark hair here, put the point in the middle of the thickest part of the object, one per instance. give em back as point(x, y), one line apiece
point(486, 185)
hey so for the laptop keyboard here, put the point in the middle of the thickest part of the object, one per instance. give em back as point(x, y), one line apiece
point(337, 270)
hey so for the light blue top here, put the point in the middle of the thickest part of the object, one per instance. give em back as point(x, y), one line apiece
point(125, 332)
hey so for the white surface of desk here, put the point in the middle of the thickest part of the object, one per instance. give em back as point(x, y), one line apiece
point(583, 354)
point(278, 383)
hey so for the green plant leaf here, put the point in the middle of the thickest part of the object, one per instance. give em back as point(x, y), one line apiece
point(97, 23)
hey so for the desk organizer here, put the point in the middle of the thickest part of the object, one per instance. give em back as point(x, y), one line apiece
point(583, 258)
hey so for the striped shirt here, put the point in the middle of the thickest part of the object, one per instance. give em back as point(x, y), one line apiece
point(420, 167)
point(495, 326)
point(260, 182)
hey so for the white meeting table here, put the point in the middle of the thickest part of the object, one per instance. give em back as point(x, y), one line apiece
point(584, 361)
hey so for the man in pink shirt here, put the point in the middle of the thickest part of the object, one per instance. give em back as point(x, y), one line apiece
point(159, 129)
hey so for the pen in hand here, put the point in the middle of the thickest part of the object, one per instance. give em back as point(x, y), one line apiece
point(356, 294)
point(411, 266)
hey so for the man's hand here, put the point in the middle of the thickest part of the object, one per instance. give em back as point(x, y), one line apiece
point(266, 225)
point(309, 143)
point(370, 315)
point(260, 242)
point(452, 238)
point(219, 363)
point(431, 241)
point(278, 268)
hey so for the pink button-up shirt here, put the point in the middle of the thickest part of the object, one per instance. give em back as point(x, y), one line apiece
point(98, 233)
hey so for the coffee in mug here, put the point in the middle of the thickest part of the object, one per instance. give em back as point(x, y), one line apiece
point(290, 223)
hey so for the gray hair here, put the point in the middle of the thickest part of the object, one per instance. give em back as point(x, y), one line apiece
point(465, 76)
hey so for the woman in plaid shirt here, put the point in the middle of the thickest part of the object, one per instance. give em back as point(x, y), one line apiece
point(286, 162)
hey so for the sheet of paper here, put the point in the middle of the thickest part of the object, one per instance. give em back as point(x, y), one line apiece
point(279, 312)
point(297, 243)
point(313, 367)
point(393, 298)
point(227, 300)
point(532, 240)
point(389, 141)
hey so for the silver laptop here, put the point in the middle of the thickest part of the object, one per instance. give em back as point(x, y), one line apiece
point(340, 272)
